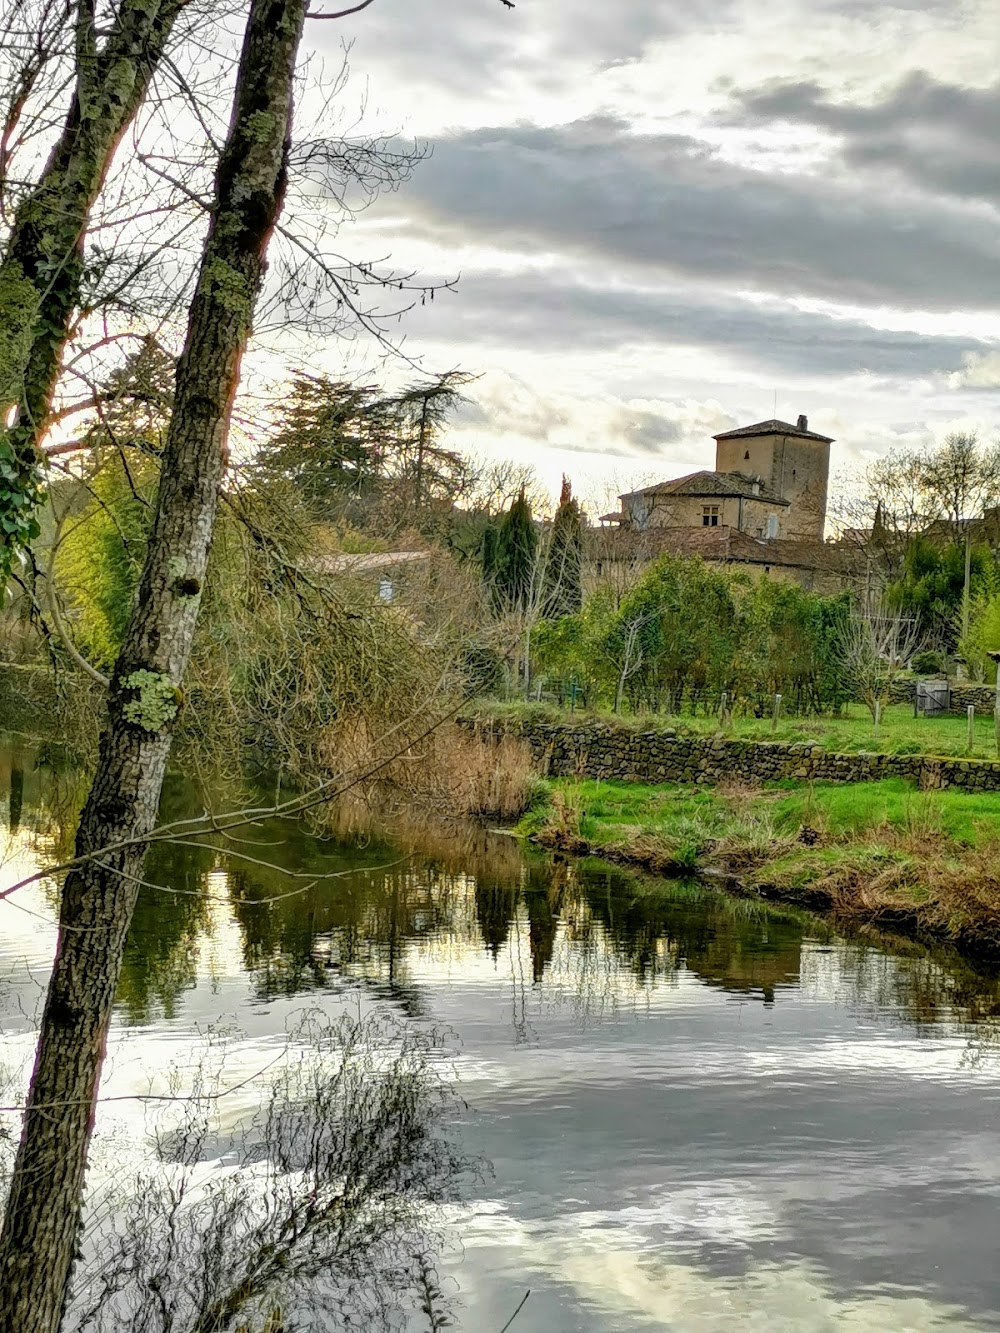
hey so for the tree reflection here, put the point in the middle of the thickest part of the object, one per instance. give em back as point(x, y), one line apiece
point(386, 905)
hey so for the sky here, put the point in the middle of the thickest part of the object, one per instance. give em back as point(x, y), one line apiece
point(670, 219)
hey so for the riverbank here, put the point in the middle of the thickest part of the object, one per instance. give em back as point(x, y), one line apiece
point(883, 854)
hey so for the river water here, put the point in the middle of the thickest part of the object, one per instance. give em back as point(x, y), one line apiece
point(701, 1114)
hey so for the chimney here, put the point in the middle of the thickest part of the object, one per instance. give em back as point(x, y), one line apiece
point(802, 423)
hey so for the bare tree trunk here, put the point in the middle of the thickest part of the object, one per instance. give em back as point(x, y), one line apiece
point(43, 1214)
point(42, 266)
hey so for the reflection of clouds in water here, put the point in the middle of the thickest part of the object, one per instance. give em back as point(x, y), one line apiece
point(613, 1261)
point(939, 1061)
point(772, 1299)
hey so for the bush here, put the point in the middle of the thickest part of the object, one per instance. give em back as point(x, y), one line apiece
point(927, 663)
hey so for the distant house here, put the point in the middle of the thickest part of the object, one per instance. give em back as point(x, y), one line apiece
point(763, 507)
point(384, 569)
point(770, 480)
point(817, 566)
point(705, 500)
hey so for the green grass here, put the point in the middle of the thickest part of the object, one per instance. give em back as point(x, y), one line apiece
point(880, 854)
point(608, 812)
point(899, 731)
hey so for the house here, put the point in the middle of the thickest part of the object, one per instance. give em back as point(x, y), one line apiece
point(382, 569)
point(763, 508)
point(770, 480)
point(822, 567)
point(706, 500)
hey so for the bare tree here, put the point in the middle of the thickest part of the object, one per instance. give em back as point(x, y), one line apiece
point(43, 1211)
point(42, 266)
point(325, 1203)
point(42, 1217)
point(873, 648)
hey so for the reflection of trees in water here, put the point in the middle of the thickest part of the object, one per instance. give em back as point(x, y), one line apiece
point(41, 791)
point(927, 987)
point(580, 933)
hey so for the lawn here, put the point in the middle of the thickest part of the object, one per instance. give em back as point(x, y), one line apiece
point(610, 811)
point(899, 731)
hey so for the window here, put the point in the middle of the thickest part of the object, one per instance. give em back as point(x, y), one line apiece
point(710, 516)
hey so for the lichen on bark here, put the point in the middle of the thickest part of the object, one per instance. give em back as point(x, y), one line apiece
point(226, 285)
point(157, 700)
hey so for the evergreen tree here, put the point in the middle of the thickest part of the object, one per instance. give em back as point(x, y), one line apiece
point(564, 563)
point(514, 558)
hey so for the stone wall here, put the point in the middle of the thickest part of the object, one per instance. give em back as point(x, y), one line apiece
point(982, 697)
point(595, 750)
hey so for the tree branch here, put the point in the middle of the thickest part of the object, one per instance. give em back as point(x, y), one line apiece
point(343, 13)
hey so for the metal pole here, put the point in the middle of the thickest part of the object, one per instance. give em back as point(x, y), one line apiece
point(878, 715)
point(970, 714)
point(777, 712)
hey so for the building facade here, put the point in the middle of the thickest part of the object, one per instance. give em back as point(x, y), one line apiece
point(771, 481)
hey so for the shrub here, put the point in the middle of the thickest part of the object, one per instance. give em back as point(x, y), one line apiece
point(927, 663)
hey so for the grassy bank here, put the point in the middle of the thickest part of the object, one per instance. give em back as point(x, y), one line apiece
point(848, 733)
point(879, 853)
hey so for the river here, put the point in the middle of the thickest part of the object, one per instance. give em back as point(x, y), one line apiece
point(700, 1113)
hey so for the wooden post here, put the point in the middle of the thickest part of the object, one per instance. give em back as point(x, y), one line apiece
point(970, 714)
point(776, 713)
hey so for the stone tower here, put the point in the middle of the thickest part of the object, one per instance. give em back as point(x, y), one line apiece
point(794, 461)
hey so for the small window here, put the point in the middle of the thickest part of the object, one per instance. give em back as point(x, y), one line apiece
point(710, 516)
point(746, 456)
point(793, 474)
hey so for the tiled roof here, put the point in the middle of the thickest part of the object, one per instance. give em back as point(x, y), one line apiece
point(363, 564)
point(724, 544)
point(772, 427)
point(716, 484)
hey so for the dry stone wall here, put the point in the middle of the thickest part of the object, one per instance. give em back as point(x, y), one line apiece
point(982, 697)
point(595, 750)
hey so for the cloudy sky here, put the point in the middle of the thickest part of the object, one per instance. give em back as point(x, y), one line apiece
point(670, 218)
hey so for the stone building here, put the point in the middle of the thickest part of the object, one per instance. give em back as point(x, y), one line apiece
point(763, 508)
point(771, 480)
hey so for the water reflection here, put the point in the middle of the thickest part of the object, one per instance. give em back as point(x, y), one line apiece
point(703, 1112)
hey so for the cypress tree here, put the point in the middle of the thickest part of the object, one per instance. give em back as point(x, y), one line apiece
point(514, 558)
point(564, 564)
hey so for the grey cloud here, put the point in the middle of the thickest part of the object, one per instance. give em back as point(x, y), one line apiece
point(644, 431)
point(551, 313)
point(471, 44)
point(666, 203)
point(938, 135)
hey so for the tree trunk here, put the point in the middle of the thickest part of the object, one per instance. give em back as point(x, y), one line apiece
point(42, 266)
point(44, 1209)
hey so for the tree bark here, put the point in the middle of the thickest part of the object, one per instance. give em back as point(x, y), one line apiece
point(42, 266)
point(44, 1210)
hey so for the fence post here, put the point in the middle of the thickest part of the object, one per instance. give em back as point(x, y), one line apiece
point(878, 715)
point(970, 740)
point(723, 708)
point(776, 713)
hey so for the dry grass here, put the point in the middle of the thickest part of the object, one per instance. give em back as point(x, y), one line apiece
point(482, 778)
